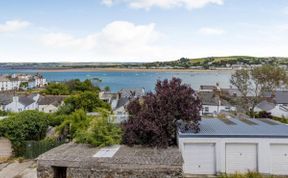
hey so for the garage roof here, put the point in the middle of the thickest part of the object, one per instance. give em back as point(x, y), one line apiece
point(252, 128)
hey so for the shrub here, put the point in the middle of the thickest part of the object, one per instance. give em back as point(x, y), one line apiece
point(152, 120)
point(26, 125)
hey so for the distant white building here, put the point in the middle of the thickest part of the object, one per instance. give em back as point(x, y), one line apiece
point(12, 103)
point(14, 81)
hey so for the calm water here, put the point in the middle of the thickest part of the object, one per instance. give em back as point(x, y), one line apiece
point(118, 80)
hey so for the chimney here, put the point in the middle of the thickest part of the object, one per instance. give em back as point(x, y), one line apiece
point(15, 99)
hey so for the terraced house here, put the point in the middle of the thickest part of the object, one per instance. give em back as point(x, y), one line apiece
point(21, 81)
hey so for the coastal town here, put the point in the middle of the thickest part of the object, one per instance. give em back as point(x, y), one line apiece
point(144, 89)
point(221, 125)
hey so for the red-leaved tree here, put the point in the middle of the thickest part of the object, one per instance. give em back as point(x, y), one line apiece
point(152, 120)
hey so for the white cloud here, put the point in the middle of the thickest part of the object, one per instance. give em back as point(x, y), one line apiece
point(13, 25)
point(119, 38)
point(107, 2)
point(211, 31)
point(166, 4)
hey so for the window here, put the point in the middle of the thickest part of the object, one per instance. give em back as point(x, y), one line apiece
point(206, 109)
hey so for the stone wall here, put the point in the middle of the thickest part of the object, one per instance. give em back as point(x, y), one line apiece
point(5, 149)
point(47, 172)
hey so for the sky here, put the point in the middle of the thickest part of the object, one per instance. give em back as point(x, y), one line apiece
point(140, 30)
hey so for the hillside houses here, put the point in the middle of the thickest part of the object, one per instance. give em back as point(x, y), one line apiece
point(275, 103)
point(120, 100)
point(21, 81)
point(18, 103)
point(50, 104)
point(213, 104)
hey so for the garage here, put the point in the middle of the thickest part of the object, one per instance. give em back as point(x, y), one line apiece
point(241, 157)
point(200, 158)
point(234, 145)
point(279, 159)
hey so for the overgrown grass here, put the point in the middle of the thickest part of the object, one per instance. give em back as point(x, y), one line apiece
point(247, 175)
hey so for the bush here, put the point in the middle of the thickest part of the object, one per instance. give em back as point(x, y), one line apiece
point(97, 131)
point(152, 120)
point(70, 87)
point(26, 125)
point(100, 133)
point(88, 101)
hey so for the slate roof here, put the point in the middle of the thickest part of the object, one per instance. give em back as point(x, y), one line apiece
point(54, 100)
point(265, 105)
point(131, 158)
point(132, 92)
point(280, 97)
point(208, 98)
point(26, 100)
point(121, 102)
point(5, 99)
point(246, 128)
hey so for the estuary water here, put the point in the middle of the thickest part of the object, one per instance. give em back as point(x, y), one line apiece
point(119, 80)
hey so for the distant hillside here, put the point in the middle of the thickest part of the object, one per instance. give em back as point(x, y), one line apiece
point(204, 63)
point(220, 61)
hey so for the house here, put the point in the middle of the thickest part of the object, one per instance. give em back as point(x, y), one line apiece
point(5, 149)
point(50, 103)
point(235, 145)
point(119, 111)
point(20, 103)
point(7, 83)
point(276, 103)
point(132, 92)
point(16, 81)
point(213, 104)
point(79, 160)
point(107, 96)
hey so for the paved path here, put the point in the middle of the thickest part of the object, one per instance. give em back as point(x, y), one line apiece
point(27, 169)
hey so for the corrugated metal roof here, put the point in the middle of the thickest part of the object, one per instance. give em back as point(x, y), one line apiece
point(216, 128)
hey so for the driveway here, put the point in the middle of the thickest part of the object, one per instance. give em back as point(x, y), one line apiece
point(26, 169)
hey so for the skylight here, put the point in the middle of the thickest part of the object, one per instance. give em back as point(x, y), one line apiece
point(108, 152)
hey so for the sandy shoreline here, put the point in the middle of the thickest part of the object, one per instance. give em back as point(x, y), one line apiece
point(127, 70)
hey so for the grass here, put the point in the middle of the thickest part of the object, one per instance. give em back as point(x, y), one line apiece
point(247, 175)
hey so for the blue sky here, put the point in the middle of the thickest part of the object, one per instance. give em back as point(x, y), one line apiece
point(140, 30)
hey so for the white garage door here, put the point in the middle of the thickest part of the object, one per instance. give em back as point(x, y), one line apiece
point(241, 158)
point(199, 158)
point(279, 159)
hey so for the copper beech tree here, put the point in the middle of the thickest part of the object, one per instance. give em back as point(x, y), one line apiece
point(152, 120)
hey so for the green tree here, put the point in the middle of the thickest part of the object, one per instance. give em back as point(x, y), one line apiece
point(26, 125)
point(97, 131)
point(70, 87)
point(107, 88)
point(254, 83)
point(101, 132)
point(88, 101)
point(56, 89)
